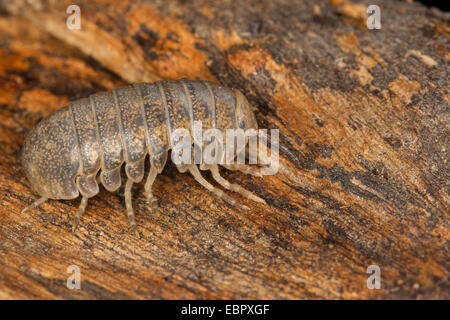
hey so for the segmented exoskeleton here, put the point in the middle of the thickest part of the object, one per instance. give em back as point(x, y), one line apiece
point(87, 142)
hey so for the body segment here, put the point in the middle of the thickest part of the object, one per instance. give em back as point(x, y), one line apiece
point(156, 123)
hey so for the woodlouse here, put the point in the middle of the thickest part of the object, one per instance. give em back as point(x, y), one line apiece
point(87, 142)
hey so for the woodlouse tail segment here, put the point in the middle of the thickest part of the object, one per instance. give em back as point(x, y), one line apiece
point(35, 204)
point(197, 176)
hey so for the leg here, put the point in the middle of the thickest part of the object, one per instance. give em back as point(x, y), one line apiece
point(197, 176)
point(232, 186)
point(130, 211)
point(35, 204)
point(148, 188)
point(79, 212)
point(243, 168)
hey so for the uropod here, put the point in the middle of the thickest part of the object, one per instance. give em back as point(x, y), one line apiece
point(86, 143)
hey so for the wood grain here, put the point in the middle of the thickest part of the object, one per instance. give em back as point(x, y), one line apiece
point(364, 126)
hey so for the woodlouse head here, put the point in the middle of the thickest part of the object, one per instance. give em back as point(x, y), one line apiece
point(50, 157)
point(244, 115)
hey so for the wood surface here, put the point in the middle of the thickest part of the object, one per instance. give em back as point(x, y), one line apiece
point(364, 175)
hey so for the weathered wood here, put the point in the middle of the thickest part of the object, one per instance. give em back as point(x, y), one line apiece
point(363, 118)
